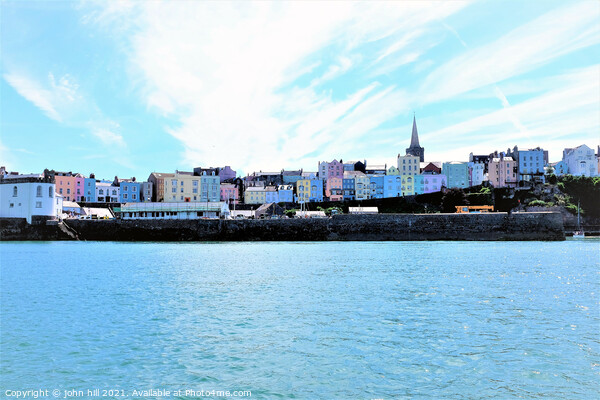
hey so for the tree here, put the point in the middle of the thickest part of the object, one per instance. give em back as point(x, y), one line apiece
point(452, 198)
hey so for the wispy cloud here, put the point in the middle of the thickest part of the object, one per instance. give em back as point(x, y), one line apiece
point(42, 98)
point(61, 100)
point(228, 73)
point(554, 34)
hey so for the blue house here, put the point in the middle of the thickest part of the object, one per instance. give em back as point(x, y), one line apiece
point(348, 189)
point(316, 190)
point(89, 188)
point(286, 193)
point(392, 186)
point(131, 192)
point(376, 186)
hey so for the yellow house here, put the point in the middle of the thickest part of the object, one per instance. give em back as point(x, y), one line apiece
point(255, 195)
point(408, 167)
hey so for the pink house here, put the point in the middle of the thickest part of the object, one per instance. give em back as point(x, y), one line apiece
point(70, 186)
point(335, 169)
point(229, 193)
point(333, 189)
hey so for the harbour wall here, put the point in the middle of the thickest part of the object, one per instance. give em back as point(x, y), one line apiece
point(381, 227)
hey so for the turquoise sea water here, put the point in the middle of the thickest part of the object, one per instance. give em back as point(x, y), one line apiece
point(426, 320)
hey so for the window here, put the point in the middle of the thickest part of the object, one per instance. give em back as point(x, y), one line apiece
point(68, 191)
point(173, 189)
point(114, 192)
point(100, 192)
point(60, 191)
point(78, 191)
point(39, 191)
point(125, 196)
point(78, 183)
point(174, 182)
point(133, 196)
point(38, 204)
point(124, 188)
point(134, 188)
point(50, 192)
point(15, 191)
point(194, 183)
point(182, 190)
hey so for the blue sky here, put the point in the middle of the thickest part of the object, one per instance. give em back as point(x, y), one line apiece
point(126, 88)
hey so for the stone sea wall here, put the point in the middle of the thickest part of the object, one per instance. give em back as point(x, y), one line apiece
point(382, 227)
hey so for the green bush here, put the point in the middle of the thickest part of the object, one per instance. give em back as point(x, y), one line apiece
point(538, 203)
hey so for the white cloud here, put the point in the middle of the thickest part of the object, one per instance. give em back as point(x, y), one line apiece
point(109, 138)
point(226, 71)
point(43, 99)
point(554, 34)
point(61, 100)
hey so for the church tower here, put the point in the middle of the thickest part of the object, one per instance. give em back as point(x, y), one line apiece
point(415, 149)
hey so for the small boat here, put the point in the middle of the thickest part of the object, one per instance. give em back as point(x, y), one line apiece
point(578, 234)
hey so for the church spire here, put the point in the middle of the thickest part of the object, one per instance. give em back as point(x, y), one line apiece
point(415, 149)
point(414, 140)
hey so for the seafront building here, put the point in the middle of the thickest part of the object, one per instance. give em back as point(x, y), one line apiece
point(429, 182)
point(229, 193)
point(175, 210)
point(392, 186)
point(286, 193)
point(70, 185)
point(31, 197)
point(89, 188)
point(502, 171)
point(457, 174)
point(579, 161)
point(107, 192)
point(408, 167)
point(255, 195)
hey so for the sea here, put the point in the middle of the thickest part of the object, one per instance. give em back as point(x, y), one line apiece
point(300, 320)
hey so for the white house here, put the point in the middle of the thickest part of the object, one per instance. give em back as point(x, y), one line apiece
point(580, 161)
point(27, 196)
point(106, 192)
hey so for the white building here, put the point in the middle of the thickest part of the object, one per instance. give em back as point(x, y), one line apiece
point(27, 196)
point(580, 161)
point(107, 193)
point(476, 173)
point(189, 210)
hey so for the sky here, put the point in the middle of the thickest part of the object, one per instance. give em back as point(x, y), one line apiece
point(125, 88)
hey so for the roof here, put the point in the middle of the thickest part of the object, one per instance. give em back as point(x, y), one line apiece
point(352, 174)
point(363, 210)
point(377, 166)
point(162, 175)
point(190, 206)
point(255, 189)
point(292, 173)
point(70, 204)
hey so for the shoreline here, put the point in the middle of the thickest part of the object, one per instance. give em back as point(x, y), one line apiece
point(546, 226)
